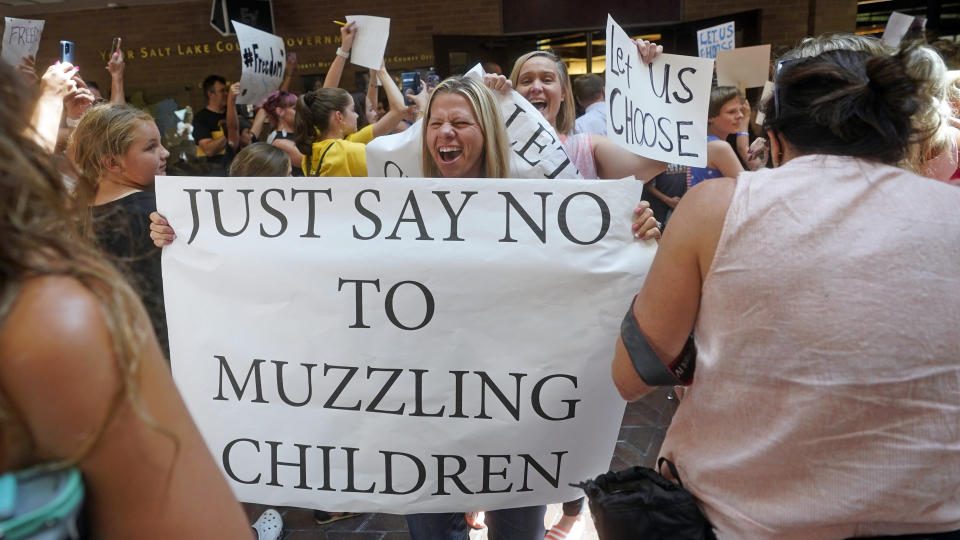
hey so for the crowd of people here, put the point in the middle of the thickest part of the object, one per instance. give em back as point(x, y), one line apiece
point(803, 298)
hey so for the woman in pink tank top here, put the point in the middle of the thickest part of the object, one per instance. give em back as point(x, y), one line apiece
point(824, 395)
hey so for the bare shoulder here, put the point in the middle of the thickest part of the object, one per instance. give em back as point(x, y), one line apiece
point(698, 219)
point(52, 319)
point(719, 144)
point(59, 370)
point(714, 193)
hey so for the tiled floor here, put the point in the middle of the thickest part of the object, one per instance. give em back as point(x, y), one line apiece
point(641, 434)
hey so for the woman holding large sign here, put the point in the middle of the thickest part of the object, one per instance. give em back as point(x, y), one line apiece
point(464, 137)
point(812, 375)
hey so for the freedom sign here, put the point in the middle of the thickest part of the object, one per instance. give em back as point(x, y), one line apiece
point(657, 110)
point(21, 37)
point(415, 345)
point(262, 60)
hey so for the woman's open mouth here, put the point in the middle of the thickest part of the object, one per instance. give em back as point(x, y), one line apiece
point(449, 153)
point(539, 104)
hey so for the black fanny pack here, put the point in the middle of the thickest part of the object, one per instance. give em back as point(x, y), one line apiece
point(640, 503)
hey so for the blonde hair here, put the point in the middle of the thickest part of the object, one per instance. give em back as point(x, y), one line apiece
point(567, 113)
point(40, 235)
point(104, 130)
point(260, 159)
point(928, 69)
point(496, 155)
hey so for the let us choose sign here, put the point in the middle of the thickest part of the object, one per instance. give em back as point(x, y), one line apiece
point(401, 345)
point(657, 110)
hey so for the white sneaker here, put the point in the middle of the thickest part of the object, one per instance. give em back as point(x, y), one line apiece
point(269, 525)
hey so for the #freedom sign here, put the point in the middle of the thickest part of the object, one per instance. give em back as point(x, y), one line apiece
point(262, 63)
point(416, 345)
point(657, 110)
point(21, 37)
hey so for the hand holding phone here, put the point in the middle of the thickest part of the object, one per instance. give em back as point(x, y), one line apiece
point(66, 51)
point(409, 80)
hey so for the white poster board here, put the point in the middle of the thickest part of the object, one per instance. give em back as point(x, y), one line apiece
point(897, 26)
point(371, 40)
point(21, 37)
point(262, 61)
point(746, 67)
point(657, 110)
point(536, 150)
point(416, 345)
point(716, 38)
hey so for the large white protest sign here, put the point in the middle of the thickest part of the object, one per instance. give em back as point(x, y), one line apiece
point(21, 37)
point(371, 40)
point(657, 110)
point(401, 345)
point(262, 59)
point(536, 150)
point(716, 38)
point(897, 26)
point(746, 67)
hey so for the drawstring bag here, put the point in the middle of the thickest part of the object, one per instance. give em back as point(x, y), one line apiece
point(640, 503)
point(41, 504)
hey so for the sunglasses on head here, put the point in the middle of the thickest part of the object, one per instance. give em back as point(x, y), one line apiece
point(781, 66)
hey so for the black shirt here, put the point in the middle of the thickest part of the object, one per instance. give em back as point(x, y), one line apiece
point(122, 230)
point(211, 125)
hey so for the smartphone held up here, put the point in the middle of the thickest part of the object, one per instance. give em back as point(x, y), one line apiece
point(66, 51)
point(409, 80)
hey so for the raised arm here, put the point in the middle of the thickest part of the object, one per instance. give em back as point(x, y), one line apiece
point(233, 123)
point(115, 67)
point(259, 119)
point(288, 72)
point(754, 156)
point(667, 305)
point(373, 89)
point(347, 33)
point(55, 85)
point(390, 120)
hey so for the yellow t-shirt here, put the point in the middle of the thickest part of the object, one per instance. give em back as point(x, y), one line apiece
point(340, 157)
